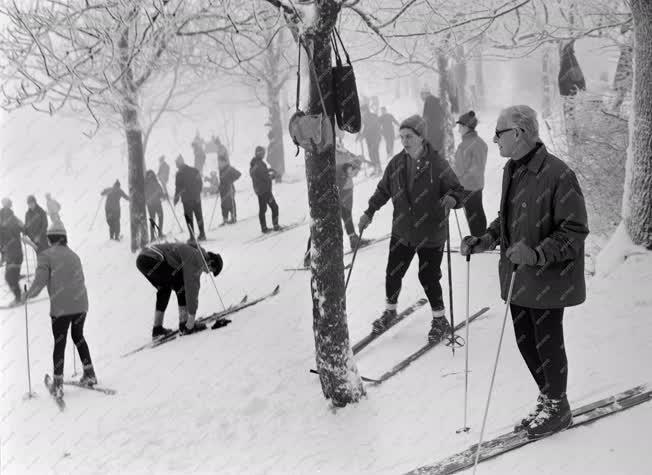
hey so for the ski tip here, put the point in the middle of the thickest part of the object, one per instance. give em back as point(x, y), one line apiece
point(277, 289)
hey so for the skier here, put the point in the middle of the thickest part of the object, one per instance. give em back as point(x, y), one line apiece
point(112, 208)
point(188, 187)
point(213, 184)
point(60, 269)
point(387, 122)
point(261, 177)
point(11, 248)
point(54, 208)
point(36, 225)
point(541, 228)
point(199, 153)
point(163, 174)
point(371, 134)
point(153, 196)
point(469, 166)
point(423, 189)
point(435, 118)
point(178, 267)
point(228, 176)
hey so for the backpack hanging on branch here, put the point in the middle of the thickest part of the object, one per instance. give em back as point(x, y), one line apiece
point(347, 104)
point(314, 132)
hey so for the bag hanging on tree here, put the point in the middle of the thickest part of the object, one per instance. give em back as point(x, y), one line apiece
point(314, 132)
point(347, 103)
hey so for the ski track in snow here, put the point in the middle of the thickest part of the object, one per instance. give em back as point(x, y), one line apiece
point(240, 400)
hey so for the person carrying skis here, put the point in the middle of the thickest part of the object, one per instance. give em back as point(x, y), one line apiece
point(261, 177)
point(228, 176)
point(188, 187)
point(423, 189)
point(387, 123)
point(469, 166)
point(112, 208)
point(54, 208)
point(11, 248)
point(36, 225)
point(178, 267)
point(163, 174)
point(541, 228)
point(153, 196)
point(60, 269)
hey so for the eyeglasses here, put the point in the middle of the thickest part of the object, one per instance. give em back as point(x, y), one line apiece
point(500, 132)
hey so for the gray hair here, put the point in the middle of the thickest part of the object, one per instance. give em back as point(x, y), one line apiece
point(523, 117)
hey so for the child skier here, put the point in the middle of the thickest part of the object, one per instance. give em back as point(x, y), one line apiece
point(228, 176)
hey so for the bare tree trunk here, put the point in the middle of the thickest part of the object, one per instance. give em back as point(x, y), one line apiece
point(448, 150)
point(624, 72)
point(338, 373)
point(479, 81)
point(638, 180)
point(548, 81)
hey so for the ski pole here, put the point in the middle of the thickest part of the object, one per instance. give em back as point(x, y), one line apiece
point(457, 220)
point(213, 212)
point(201, 254)
point(355, 253)
point(453, 341)
point(466, 428)
point(493, 375)
point(29, 394)
point(96, 212)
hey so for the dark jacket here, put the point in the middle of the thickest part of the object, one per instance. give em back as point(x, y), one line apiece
point(183, 258)
point(164, 173)
point(260, 176)
point(419, 218)
point(434, 117)
point(371, 127)
point(36, 227)
point(153, 191)
point(387, 122)
point(228, 176)
point(10, 242)
point(548, 214)
point(113, 195)
point(188, 184)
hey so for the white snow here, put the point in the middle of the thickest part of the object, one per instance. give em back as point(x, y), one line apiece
point(240, 400)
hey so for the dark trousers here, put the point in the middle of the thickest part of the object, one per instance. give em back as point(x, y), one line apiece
point(347, 217)
point(228, 207)
point(474, 212)
point(373, 146)
point(264, 200)
point(540, 338)
point(389, 145)
point(155, 210)
point(164, 278)
point(12, 276)
point(60, 333)
point(400, 257)
point(191, 208)
point(113, 220)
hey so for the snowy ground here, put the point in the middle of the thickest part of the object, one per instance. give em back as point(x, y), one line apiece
point(241, 400)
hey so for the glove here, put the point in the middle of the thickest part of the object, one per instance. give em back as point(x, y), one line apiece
point(220, 322)
point(365, 221)
point(474, 245)
point(448, 202)
point(521, 253)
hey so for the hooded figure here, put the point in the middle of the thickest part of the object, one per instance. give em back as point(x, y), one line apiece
point(112, 208)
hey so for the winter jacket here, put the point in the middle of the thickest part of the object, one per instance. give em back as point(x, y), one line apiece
point(228, 176)
point(434, 117)
point(36, 227)
point(547, 212)
point(188, 184)
point(183, 258)
point(419, 218)
point(164, 173)
point(470, 161)
point(10, 242)
point(61, 270)
point(260, 176)
point(112, 204)
point(153, 191)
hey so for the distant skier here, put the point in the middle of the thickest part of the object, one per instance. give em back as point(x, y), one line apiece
point(228, 176)
point(36, 224)
point(541, 229)
point(11, 248)
point(423, 189)
point(178, 267)
point(387, 123)
point(213, 181)
point(153, 195)
point(163, 174)
point(261, 176)
point(60, 269)
point(371, 133)
point(199, 153)
point(188, 187)
point(112, 208)
point(54, 208)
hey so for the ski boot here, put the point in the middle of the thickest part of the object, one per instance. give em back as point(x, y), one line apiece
point(201, 237)
point(265, 230)
point(160, 332)
point(56, 388)
point(88, 378)
point(438, 329)
point(555, 416)
point(526, 421)
point(385, 320)
point(277, 227)
point(197, 327)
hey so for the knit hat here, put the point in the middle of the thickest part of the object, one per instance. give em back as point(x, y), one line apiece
point(414, 123)
point(469, 119)
point(259, 149)
point(57, 229)
point(215, 262)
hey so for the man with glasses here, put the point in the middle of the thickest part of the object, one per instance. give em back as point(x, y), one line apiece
point(541, 228)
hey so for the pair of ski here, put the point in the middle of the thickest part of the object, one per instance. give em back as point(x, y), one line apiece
point(272, 233)
point(213, 318)
point(371, 242)
point(59, 399)
point(512, 440)
point(292, 269)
